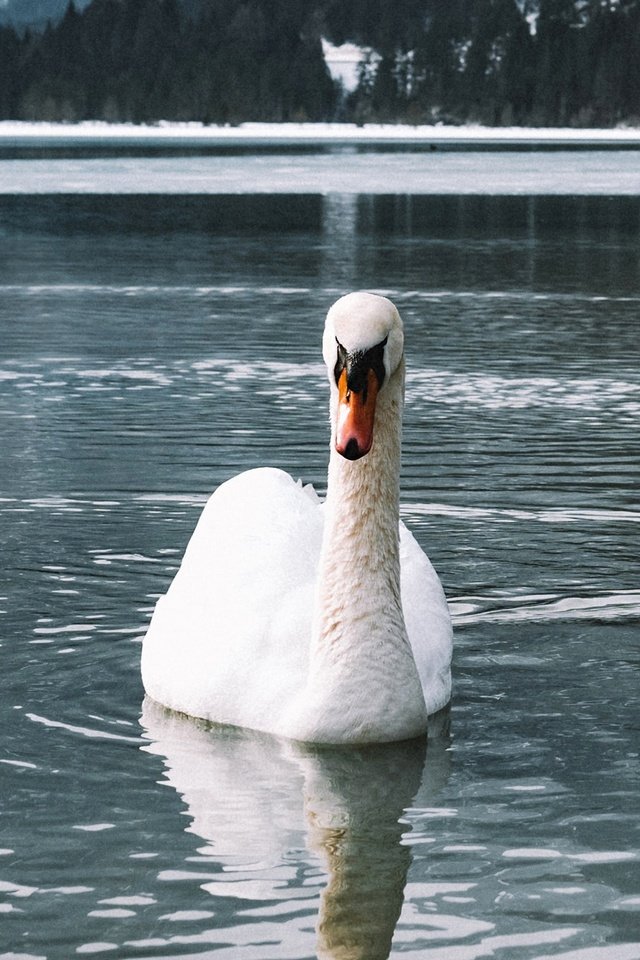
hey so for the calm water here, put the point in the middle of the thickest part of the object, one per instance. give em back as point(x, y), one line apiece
point(150, 347)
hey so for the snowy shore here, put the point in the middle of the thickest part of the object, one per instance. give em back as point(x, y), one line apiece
point(101, 158)
point(23, 135)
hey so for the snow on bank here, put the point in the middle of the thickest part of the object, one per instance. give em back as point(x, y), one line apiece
point(185, 135)
point(344, 62)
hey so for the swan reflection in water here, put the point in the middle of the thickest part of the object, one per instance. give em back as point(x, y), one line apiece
point(252, 798)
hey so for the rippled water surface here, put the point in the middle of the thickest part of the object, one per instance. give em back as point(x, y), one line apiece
point(150, 347)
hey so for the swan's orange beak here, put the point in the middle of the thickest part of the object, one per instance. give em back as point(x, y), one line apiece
point(356, 411)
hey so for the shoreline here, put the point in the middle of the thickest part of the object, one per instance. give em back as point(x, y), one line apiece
point(23, 135)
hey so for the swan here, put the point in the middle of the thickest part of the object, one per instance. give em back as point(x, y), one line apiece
point(318, 622)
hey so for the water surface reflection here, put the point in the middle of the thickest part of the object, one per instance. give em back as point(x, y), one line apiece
point(250, 796)
point(577, 245)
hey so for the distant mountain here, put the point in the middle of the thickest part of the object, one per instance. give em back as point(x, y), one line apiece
point(35, 13)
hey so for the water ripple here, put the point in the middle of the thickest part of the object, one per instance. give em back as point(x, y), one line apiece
point(620, 605)
point(88, 732)
point(616, 397)
point(497, 514)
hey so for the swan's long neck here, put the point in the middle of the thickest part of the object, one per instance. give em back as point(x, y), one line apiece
point(360, 565)
point(360, 640)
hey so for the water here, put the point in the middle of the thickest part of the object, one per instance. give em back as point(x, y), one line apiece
point(152, 347)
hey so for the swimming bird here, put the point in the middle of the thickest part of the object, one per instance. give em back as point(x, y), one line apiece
point(319, 622)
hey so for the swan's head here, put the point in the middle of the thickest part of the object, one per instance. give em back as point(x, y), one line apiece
point(362, 347)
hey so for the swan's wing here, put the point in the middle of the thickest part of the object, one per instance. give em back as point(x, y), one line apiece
point(427, 619)
point(229, 641)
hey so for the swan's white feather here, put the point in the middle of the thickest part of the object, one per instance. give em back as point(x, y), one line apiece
point(427, 619)
point(230, 640)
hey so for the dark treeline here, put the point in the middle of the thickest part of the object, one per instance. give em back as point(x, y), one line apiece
point(561, 62)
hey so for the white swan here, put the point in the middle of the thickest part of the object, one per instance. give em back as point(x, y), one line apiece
point(286, 615)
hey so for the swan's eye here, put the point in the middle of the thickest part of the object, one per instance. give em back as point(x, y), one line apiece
point(358, 363)
point(341, 361)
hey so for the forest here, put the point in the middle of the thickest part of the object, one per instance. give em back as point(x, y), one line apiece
point(496, 62)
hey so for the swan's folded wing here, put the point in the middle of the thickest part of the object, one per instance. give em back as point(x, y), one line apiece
point(229, 641)
point(428, 622)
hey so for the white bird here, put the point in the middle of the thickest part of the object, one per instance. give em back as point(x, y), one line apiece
point(324, 623)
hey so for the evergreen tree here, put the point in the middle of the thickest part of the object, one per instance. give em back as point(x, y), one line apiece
point(226, 61)
point(10, 62)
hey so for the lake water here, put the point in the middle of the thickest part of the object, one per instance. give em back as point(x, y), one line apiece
point(152, 346)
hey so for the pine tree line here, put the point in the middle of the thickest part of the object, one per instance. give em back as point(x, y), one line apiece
point(145, 60)
point(548, 63)
point(561, 62)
